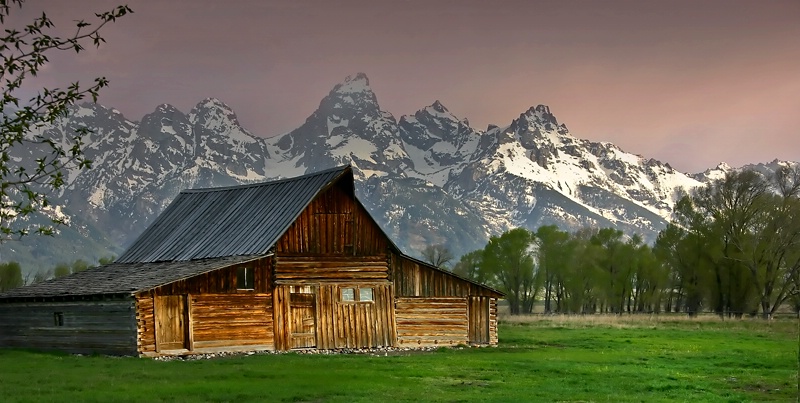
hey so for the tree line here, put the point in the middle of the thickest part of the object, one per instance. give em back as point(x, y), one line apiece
point(11, 272)
point(733, 248)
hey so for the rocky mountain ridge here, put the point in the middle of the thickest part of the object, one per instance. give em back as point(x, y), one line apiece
point(427, 178)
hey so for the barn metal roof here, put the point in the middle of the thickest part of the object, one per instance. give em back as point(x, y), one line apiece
point(228, 221)
point(121, 278)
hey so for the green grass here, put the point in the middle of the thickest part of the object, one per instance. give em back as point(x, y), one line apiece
point(543, 359)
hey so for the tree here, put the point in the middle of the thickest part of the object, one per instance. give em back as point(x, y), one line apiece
point(554, 257)
point(509, 261)
point(10, 276)
point(470, 266)
point(61, 270)
point(24, 186)
point(437, 255)
point(739, 239)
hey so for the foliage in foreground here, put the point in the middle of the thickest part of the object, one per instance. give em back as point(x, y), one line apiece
point(26, 182)
point(545, 359)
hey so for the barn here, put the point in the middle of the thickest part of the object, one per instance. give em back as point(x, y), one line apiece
point(290, 264)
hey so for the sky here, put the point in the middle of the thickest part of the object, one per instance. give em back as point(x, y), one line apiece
point(688, 82)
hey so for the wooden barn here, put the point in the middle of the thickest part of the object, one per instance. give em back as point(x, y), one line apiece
point(295, 263)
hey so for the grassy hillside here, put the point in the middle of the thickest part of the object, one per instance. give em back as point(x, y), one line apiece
point(594, 358)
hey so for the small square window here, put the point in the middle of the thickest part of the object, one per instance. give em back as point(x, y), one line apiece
point(58, 318)
point(245, 277)
point(365, 294)
point(348, 294)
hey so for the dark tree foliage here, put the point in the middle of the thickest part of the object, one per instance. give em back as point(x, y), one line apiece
point(733, 249)
point(10, 276)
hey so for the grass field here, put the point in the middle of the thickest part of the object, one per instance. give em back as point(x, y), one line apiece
point(595, 358)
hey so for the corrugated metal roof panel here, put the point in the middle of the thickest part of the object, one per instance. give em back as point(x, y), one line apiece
point(229, 221)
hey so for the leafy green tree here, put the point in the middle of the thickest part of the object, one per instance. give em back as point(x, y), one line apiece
point(25, 184)
point(61, 270)
point(509, 261)
point(617, 265)
point(470, 266)
point(10, 276)
point(554, 259)
point(737, 239)
point(79, 265)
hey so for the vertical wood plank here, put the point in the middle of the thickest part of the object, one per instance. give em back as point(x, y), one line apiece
point(189, 323)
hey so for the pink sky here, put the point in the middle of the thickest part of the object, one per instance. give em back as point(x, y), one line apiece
point(691, 83)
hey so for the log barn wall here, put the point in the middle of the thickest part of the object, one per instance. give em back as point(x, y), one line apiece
point(215, 314)
point(85, 327)
point(412, 279)
point(421, 287)
point(431, 321)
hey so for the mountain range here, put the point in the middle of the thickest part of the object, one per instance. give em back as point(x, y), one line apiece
point(427, 178)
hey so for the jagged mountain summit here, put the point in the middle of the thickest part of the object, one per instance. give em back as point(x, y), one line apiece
point(427, 178)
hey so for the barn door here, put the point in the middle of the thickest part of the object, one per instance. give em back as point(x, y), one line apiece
point(478, 313)
point(302, 310)
point(170, 312)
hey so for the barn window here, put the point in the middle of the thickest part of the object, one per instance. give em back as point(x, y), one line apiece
point(357, 294)
point(58, 318)
point(365, 294)
point(245, 278)
point(348, 294)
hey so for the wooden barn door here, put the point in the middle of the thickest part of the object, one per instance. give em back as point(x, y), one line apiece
point(170, 312)
point(302, 312)
point(478, 313)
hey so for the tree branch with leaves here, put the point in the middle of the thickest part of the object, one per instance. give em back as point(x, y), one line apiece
point(26, 183)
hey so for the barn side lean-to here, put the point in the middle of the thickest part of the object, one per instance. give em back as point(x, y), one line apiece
point(295, 263)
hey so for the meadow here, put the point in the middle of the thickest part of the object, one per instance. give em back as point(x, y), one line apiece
point(540, 358)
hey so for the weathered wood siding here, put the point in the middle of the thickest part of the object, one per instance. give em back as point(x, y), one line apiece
point(145, 325)
point(220, 320)
point(334, 225)
point(171, 315)
point(412, 279)
point(333, 244)
point(222, 281)
point(88, 327)
point(431, 321)
point(211, 321)
point(213, 312)
point(282, 319)
point(478, 314)
point(337, 323)
point(313, 269)
point(493, 322)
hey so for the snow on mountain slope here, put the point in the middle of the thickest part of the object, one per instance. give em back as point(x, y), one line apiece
point(437, 143)
point(348, 127)
point(545, 155)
